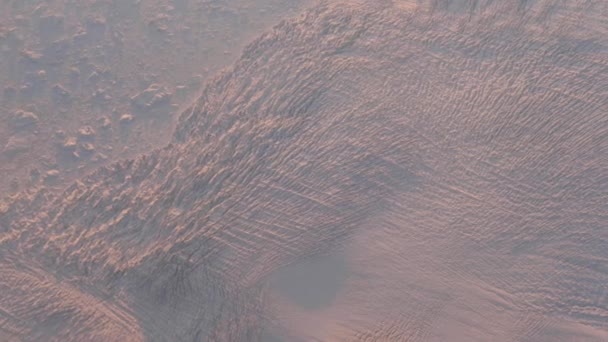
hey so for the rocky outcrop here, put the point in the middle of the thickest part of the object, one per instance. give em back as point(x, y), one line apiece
point(22, 120)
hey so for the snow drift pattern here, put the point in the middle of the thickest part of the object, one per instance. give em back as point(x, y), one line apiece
point(450, 155)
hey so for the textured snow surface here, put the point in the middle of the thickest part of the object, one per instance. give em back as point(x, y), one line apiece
point(393, 171)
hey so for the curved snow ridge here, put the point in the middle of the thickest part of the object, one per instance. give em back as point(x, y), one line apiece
point(451, 154)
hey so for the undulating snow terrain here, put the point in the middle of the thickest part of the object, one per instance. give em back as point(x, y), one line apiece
point(368, 171)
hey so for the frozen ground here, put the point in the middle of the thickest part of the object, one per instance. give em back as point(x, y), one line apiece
point(393, 171)
point(121, 69)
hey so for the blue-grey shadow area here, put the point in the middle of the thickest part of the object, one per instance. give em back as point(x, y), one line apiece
point(313, 283)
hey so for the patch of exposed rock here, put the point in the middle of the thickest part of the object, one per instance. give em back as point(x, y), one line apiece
point(23, 120)
point(152, 97)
